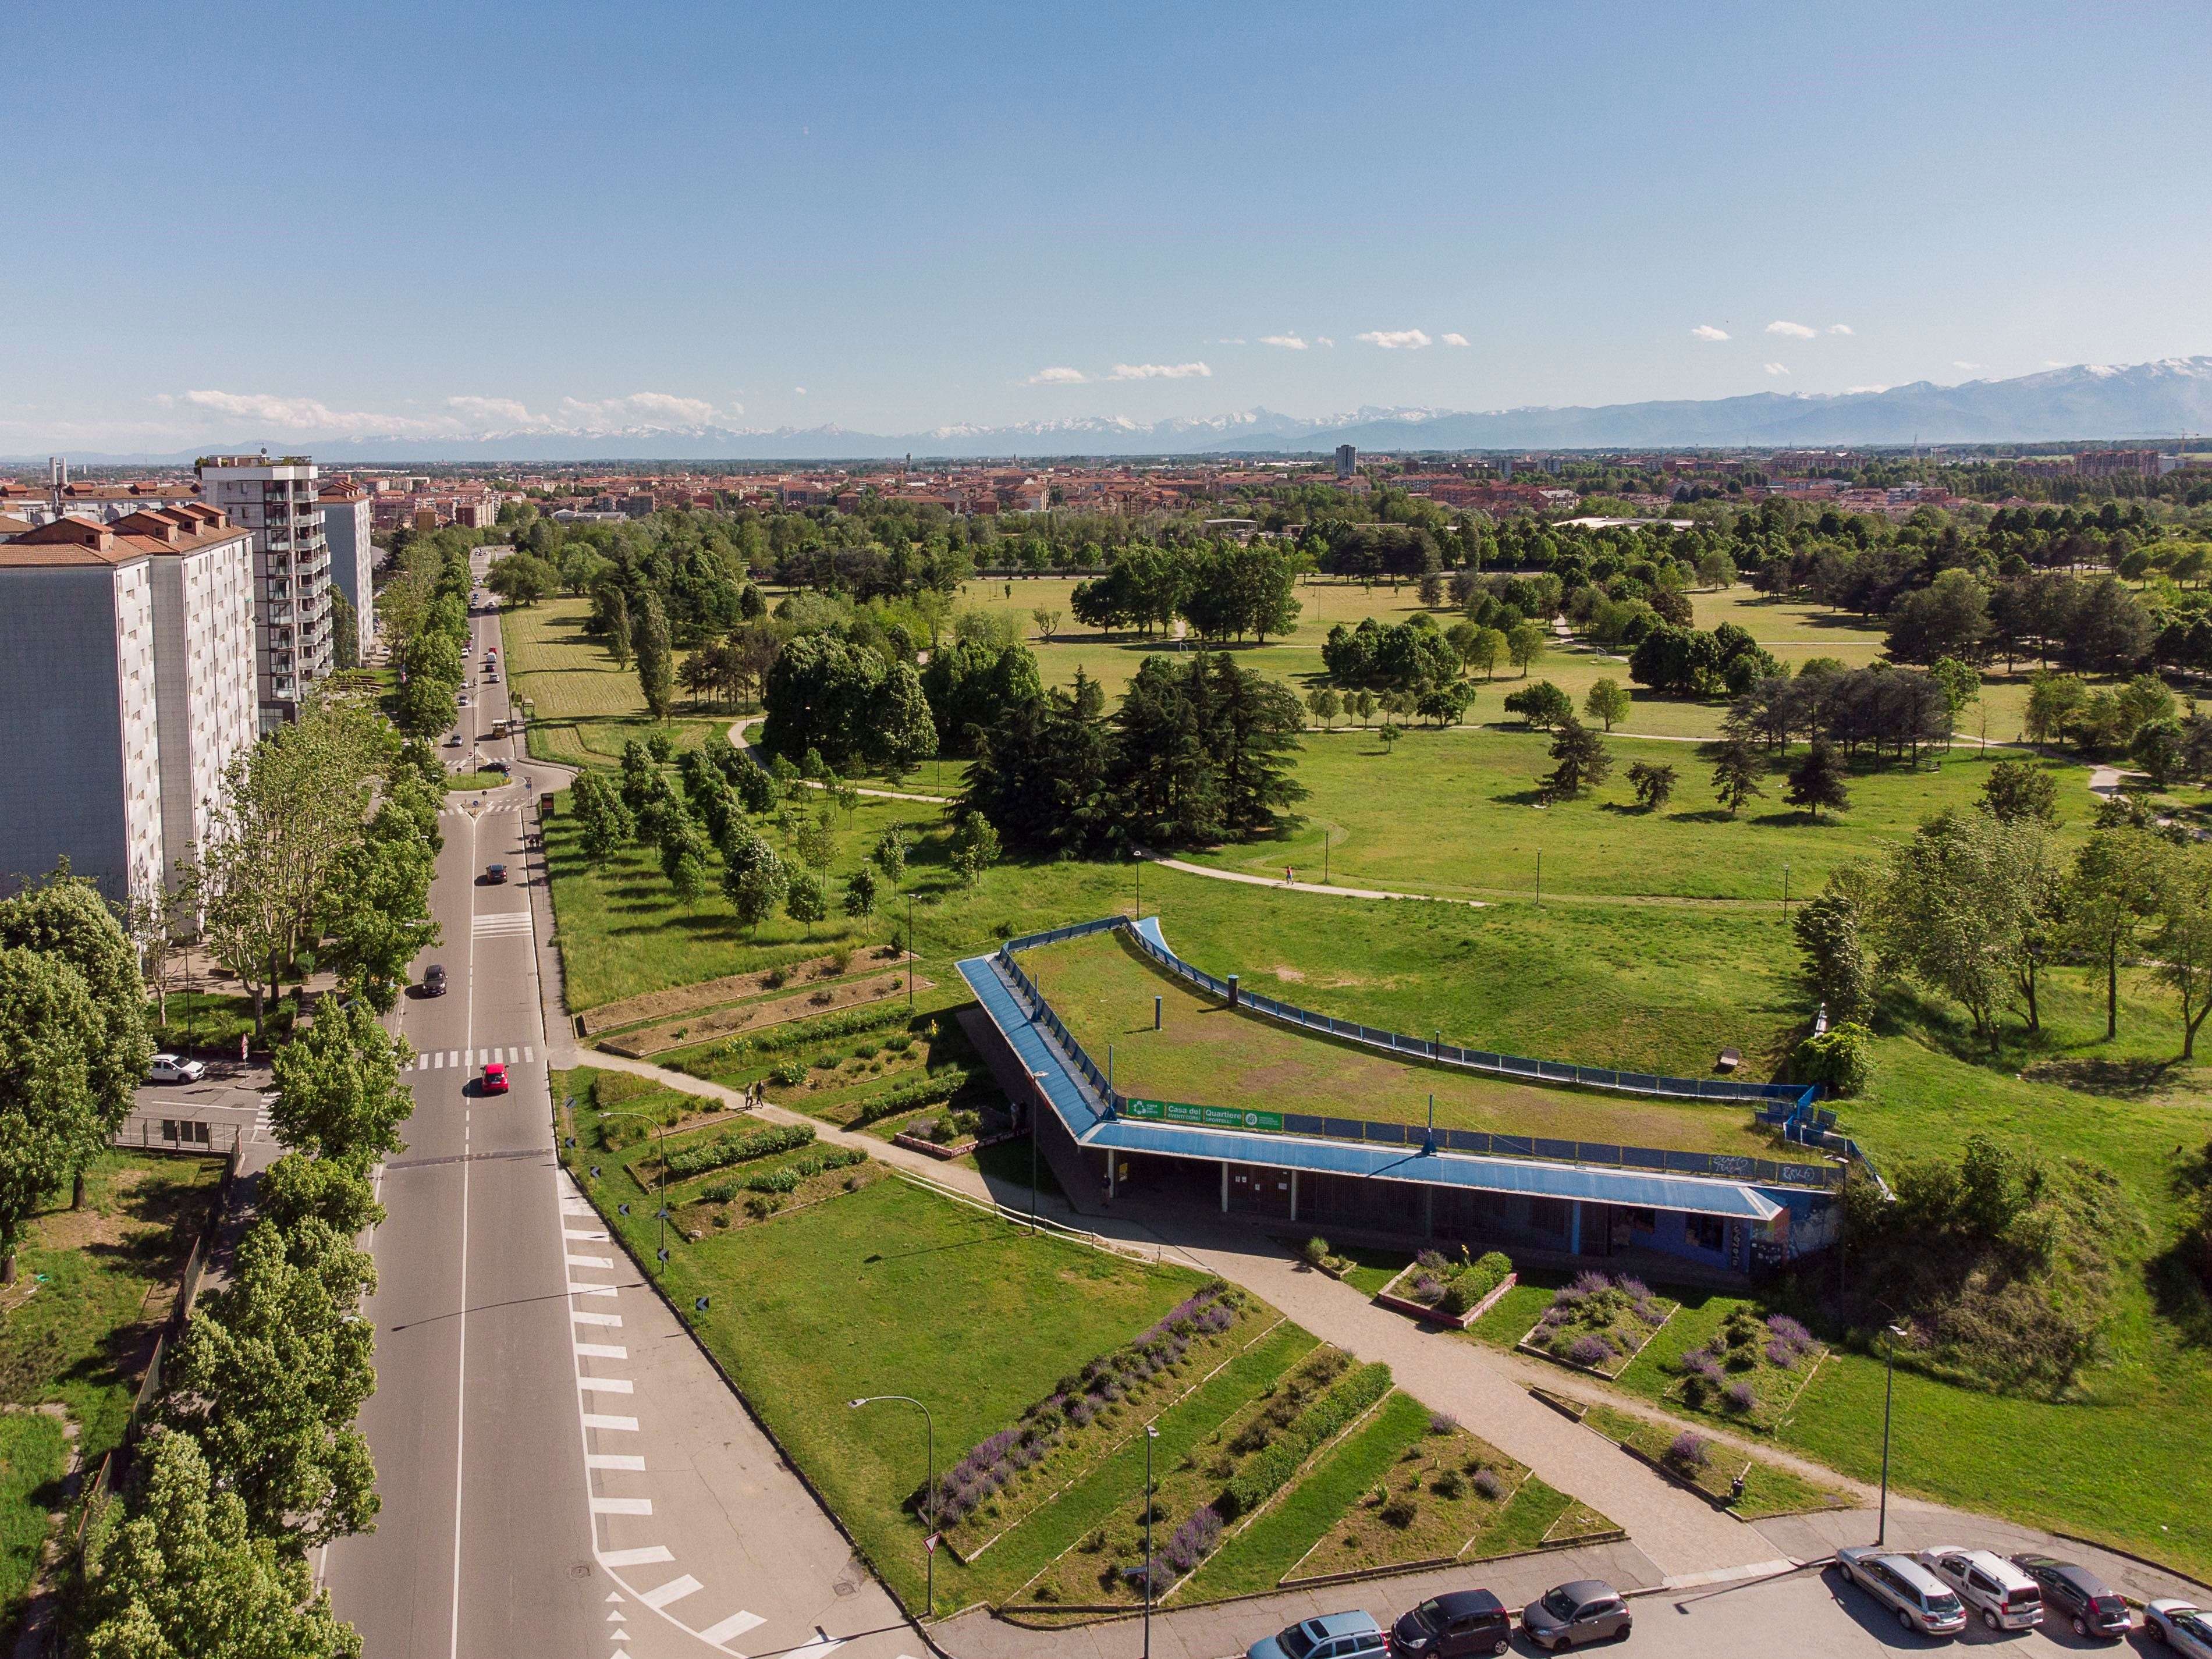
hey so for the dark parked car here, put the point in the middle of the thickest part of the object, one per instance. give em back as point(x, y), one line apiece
point(2078, 1597)
point(1574, 1615)
point(1454, 1626)
point(434, 980)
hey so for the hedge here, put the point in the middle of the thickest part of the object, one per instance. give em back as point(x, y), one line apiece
point(1264, 1474)
point(1470, 1285)
point(939, 1085)
point(849, 1022)
point(787, 1179)
point(735, 1148)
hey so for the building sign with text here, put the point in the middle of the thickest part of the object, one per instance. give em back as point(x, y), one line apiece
point(1206, 1117)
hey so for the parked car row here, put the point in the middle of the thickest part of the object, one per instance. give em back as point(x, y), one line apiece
point(1458, 1625)
point(1937, 1591)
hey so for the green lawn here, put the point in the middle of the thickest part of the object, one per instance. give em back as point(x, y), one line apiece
point(892, 1291)
point(1456, 813)
point(34, 1454)
point(1206, 1054)
point(1768, 1488)
point(96, 1286)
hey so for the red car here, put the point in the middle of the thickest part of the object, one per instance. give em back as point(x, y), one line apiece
point(495, 1078)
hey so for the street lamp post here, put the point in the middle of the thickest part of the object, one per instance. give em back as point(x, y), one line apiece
point(1150, 1434)
point(911, 953)
point(929, 1487)
point(661, 1207)
point(1890, 1333)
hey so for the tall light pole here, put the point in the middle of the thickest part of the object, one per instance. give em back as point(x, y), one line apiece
point(911, 953)
point(1890, 1333)
point(929, 1487)
point(661, 1207)
point(1150, 1434)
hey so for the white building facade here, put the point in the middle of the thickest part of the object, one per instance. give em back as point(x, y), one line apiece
point(276, 501)
point(346, 525)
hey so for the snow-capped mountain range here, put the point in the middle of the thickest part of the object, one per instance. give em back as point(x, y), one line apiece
point(2163, 399)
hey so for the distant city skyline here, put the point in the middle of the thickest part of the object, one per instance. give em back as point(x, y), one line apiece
point(895, 221)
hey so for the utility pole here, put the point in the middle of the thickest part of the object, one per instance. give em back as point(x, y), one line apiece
point(1150, 1434)
point(910, 953)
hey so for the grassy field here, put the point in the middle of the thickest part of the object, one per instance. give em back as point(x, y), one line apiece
point(1768, 1487)
point(33, 1457)
point(583, 708)
point(1457, 813)
point(1206, 1054)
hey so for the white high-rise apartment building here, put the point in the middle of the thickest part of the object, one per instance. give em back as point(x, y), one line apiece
point(346, 526)
point(125, 689)
point(276, 500)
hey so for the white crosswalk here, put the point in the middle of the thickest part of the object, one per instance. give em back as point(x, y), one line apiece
point(437, 1059)
point(495, 924)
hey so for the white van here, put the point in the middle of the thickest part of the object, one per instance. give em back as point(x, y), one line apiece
point(2006, 1597)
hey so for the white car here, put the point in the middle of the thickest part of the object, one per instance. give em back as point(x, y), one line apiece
point(170, 1068)
point(2182, 1626)
point(2006, 1597)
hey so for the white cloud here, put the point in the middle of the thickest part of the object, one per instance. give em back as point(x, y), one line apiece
point(1839, 328)
point(1970, 367)
point(1456, 339)
point(1323, 340)
point(1234, 340)
point(1777, 369)
point(301, 414)
point(1288, 342)
point(1707, 331)
point(801, 390)
point(1854, 391)
point(1058, 376)
point(466, 415)
point(1793, 330)
point(1160, 372)
point(1395, 339)
point(2054, 362)
point(650, 407)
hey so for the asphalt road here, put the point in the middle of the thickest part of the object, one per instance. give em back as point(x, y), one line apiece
point(484, 1543)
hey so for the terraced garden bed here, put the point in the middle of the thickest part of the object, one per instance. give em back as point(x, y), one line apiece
point(657, 1005)
point(1450, 1290)
point(753, 1193)
point(1598, 1323)
point(717, 1023)
point(1712, 1469)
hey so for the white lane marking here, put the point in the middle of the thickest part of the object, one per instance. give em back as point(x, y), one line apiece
point(606, 1384)
point(622, 1506)
point(638, 1557)
point(583, 1318)
point(590, 1261)
point(674, 1590)
point(461, 1389)
point(529, 1053)
point(736, 1625)
point(820, 1645)
point(618, 1425)
point(615, 1460)
point(615, 1617)
point(600, 1350)
point(575, 1288)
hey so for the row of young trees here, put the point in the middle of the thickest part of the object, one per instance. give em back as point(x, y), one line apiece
point(255, 1457)
point(1222, 591)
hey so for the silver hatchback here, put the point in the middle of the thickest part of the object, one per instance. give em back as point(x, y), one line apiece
point(1571, 1615)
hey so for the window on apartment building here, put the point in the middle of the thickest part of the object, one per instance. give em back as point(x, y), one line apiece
point(1707, 1232)
point(1644, 1221)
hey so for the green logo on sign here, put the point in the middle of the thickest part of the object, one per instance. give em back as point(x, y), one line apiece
point(1204, 1117)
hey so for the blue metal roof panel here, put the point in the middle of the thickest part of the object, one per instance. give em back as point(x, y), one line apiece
point(1697, 1195)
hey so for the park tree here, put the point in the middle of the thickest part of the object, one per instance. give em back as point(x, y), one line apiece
point(970, 688)
point(753, 876)
point(818, 840)
point(1956, 910)
point(1484, 650)
point(1829, 939)
point(522, 579)
point(904, 733)
point(889, 854)
point(2181, 945)
point(860, 893)
point(1361, 703)
point(375, 918)
point(1542, 705)
point(974, 846)
point(297, 1190)
point(51, 1120)
point(1817, 782)
point(2054, 704)
point(339, 1093)
point(1607, 700)
point(1654, 783)
point(1525, 644)
point(1961, 684)
point(803, 900)
point(2111, 895)
point(271, 1370)
point(603, 822)
point(824, 694)
point(64, 918)
point(1736, 773)
point(656, 657)
point(2016, 791)
point(177, 1571)
point(1324, 704)
point(1948, 618)
point(1579, 761)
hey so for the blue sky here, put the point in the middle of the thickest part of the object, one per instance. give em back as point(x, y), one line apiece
point(311, 219)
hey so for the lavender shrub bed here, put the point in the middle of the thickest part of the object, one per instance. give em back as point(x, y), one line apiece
point(1750, 1369)
point(1006, 1476)
point(1599, 1323)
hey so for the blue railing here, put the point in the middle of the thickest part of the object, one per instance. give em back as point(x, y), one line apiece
point(1788, 1107)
